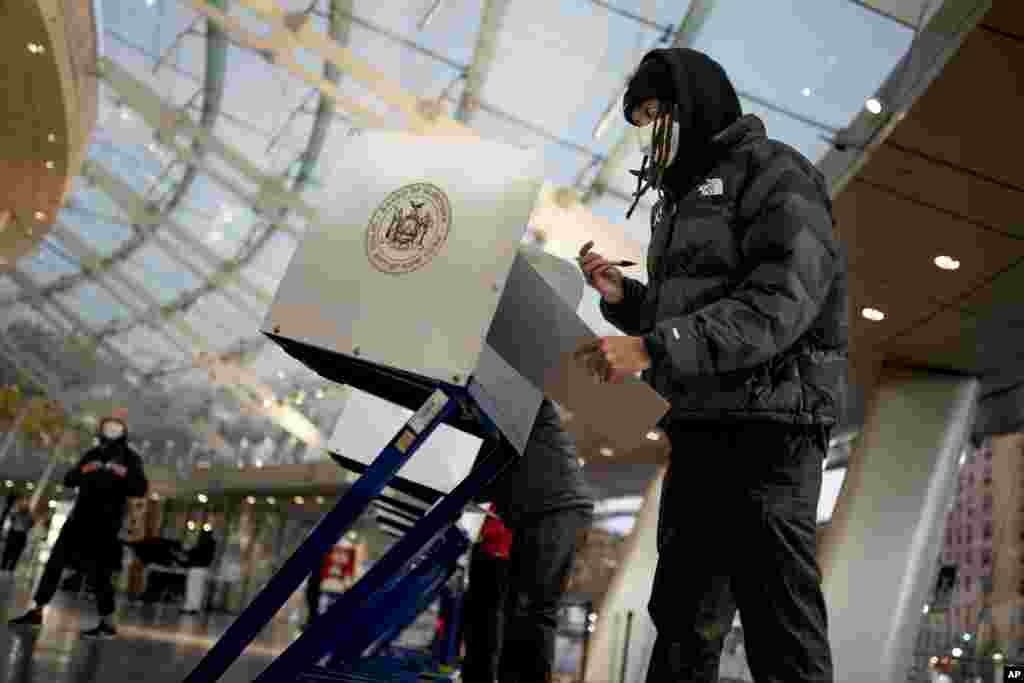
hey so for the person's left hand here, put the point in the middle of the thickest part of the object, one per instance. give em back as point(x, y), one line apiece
point(119, 470)
point(613, 359)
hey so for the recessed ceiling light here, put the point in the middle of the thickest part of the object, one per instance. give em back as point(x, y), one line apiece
point(251, 500)
point(606, 452)
point(40, 216)
point(874, 105)
point(191, 525)
point(947, 262)
point(36, 48)
point(582, 462)
point(9, 483)
point(319, 500)
point(207, 527)
point(202, 498)
point(653, 436)
point(30, 486)
point(299, 500)
point(52, 504)
point(50, 165)
point(806, 92)
point(873, 314)
point(52, 137)
point(271, 500)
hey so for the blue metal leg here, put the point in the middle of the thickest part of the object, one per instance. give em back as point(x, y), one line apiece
point(338, 628)
point(310, 553)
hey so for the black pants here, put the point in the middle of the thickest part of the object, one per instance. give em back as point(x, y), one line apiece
point(736, 529)
point(484, 616)
point(93, 555)
point(13, 548)
point(313, 596)
point(540, 564)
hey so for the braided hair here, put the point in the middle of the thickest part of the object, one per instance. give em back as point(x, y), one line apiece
point(659, 155)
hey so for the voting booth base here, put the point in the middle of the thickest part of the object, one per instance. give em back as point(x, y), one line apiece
point(345, 642)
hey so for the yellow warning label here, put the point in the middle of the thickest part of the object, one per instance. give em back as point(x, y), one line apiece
point(404, 441)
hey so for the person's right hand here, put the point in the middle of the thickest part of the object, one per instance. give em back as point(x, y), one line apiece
point(601, 275)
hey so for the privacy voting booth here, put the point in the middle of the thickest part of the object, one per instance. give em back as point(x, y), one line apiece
point(414, 291)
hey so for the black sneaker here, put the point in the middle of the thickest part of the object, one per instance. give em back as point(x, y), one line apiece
point(33, 618)
point(103, 630)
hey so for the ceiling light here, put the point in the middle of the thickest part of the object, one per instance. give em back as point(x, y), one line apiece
point(997, 656)
point(653, 436)
point(36, 48)
point(52, 504)
point(215, 236)
point(52, 137)
point(873, 314)
point(9, 483)
point(606, 452)
point(50, 165)
point(40, 216)
point(280, 374)
point(352, 536)
point(299, 500)
point(581, 461)
point(259, 464)
point(319, 500)
point(207, 527)
point(806, 92)
point(272, 500)
point(947, 262)
point(320, 393)
point(957, 652)
point(150, 3)
point(874, 105)
point(30, 486)
point(251, 500)
point(202, 498)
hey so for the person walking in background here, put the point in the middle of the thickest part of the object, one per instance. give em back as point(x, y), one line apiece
point(105, 477)
point(198, 560)
point(22, 521)
point(742, 327)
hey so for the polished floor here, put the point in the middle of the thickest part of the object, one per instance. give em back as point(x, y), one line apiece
point(154, 644)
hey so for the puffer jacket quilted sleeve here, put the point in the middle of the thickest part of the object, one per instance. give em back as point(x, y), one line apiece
point(634, 315)
point(790, 259)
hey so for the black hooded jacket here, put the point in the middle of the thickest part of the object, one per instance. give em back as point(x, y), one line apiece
point(745, 312)
point(102, 494)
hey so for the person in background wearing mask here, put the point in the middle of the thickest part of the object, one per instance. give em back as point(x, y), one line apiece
point(105, 477)
point(742, 326)
point(543, 499)
point(22, 521)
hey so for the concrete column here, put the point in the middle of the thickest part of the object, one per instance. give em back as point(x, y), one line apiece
point(878, 558)
point(629, 591)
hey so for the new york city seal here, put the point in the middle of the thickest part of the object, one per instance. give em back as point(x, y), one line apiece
point(408, 229)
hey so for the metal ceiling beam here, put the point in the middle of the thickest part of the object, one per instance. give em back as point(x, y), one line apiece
point(145, 217)
point(484, 55)
point(90, 260)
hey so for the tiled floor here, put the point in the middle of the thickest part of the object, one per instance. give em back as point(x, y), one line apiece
point(154, 645)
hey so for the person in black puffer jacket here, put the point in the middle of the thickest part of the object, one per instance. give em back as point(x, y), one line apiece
point(742, 327)
point(544, 500)
point(105, 477)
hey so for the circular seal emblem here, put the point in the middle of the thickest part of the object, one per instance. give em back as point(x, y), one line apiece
point(408, 229)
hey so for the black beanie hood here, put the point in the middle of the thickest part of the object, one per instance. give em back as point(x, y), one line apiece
point(705, 99)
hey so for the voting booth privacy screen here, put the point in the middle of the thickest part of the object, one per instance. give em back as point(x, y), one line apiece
point(416, 279)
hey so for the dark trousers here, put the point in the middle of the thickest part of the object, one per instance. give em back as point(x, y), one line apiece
point(736, 529)
point(540, 564)
point(484, 616)
point(13, 548)
point(93, 558)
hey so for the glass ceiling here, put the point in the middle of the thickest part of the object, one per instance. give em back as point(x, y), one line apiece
point(805, 66)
